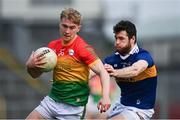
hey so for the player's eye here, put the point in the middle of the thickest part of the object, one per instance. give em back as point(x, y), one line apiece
point(66, 26)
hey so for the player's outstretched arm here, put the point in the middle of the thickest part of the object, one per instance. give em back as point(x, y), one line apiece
point(91, 74)
point(127, 72)
point(33, 65)
point(104, 103)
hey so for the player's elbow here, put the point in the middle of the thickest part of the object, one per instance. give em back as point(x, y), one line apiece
point(34, 76)
point(33, 72)
point(135, 72)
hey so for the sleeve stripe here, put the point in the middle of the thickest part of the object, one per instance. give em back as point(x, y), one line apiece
point(97, 60)
point(148, 73)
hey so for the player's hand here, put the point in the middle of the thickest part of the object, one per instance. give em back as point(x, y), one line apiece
point(110, 69)
point(35, 61)
point(104, 104)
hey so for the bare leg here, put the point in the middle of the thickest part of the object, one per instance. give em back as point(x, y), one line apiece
point(34, 115)
point(118, 117)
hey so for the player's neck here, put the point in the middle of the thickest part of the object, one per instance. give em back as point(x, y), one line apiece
point(70, 41)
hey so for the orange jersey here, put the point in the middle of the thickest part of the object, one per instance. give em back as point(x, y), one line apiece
point(73, 60)
point(72, 68)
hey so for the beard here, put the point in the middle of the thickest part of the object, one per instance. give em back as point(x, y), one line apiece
point(125, 50)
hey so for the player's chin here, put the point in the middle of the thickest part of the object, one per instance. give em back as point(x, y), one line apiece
point(67, 38)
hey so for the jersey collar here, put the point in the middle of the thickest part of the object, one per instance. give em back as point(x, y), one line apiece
point(135, 49)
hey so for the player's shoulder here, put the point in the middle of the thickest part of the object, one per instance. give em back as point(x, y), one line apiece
point(80, 41)
point(82, 44)
point(143, 53)
point(112, 57)
point(142, 50)
point(54, 42)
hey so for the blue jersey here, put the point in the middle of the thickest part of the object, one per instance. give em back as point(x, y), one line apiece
point(139, 91)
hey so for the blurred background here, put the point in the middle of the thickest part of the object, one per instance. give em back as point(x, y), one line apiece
point(26, 25)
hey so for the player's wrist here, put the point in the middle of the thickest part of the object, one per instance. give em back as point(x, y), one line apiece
point(105, 97)
point(29, 64)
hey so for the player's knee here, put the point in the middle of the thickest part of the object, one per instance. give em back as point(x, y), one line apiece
point(34, 115)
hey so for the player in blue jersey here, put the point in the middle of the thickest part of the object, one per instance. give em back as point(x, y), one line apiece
point(135, 73)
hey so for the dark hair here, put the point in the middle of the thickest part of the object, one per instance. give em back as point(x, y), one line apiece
point(127, 26)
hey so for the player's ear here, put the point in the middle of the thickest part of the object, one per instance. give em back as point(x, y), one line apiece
point(78, 28)
point(133, 39)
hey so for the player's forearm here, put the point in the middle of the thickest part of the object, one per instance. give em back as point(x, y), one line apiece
point(98, 69)
point(105, 81)
point(126, 72)
point(34, 72)
point(91, 74)
point(131, 71)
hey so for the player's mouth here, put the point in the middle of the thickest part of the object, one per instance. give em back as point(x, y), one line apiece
point(67, 35)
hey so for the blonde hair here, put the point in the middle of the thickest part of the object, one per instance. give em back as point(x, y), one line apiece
point(71, 14)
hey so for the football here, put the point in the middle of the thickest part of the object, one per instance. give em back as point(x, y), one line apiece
point(50, 58)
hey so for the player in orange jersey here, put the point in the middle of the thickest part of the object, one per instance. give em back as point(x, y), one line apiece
point(69, 93)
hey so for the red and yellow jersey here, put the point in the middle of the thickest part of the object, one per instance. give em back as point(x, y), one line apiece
point(70, 76)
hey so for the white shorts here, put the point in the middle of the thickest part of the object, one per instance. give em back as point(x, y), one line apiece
point(92, 106)
point(50, 109)
point(130, 113)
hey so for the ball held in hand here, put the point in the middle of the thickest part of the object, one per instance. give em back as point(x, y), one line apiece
point(50, 58)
